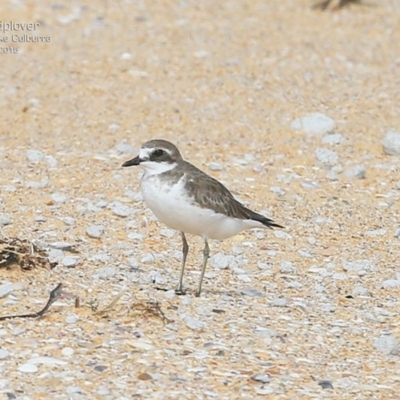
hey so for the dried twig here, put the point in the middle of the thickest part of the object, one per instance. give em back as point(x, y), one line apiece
point(334, 4)
point(112, 304)
point(54, 295)
point(151, 308)
point(23, 253)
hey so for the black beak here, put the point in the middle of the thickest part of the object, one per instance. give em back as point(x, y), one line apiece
point(134, 161)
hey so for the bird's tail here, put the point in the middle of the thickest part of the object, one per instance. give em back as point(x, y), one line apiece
point(266, 221)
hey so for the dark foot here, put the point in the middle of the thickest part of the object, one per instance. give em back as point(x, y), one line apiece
point(180, 292)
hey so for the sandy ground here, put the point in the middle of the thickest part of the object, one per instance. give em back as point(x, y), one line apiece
point(224, 81)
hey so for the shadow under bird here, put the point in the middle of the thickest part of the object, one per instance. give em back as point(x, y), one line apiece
point(188, 200)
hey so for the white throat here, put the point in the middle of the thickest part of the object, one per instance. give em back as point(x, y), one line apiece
point(152, 167)
point(155, 168)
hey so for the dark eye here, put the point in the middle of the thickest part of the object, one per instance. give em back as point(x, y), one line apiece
point(159, 153)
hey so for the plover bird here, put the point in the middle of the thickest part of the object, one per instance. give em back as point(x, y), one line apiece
point(188, 200)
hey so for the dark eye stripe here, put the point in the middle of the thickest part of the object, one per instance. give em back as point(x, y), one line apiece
point(158, 153)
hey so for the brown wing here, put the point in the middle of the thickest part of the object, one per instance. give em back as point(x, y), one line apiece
point(211, 194)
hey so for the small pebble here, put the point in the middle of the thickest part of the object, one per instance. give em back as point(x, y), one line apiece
point(71, 319)
point(238, 270)
point(100, 257)
point(6, 288)
point(339, 276)
point(4, 354)
point(193, 323)
point(309, 185)
point(70, 262)
point(134, 196)
point(68, 221)
point(282, 235)
point(266, 332)
point(320, 220)
point(377, 232)
point(34, 156)
point(74, 390)
point(5, 220)
point(244, 278)
point(126, 56)
point(358, 265)
point(95, 231)
point(391, 284)
point(287, 267)
point(103, 391)
point(148, 258)
point(34, 103)
point(67, 351)
point(387, 344)
point(356, 172)
point(58, 197)
point(144, 376)
point(314, 124)
point(332, 175)
point(141, 344)
point(38, 185)
point(215, 166)
point(306, 253)
point(251, 292)
point(156, 277)
point(51, 161)
point(258, 168)
point(279, 302)
point(237, 249)
point(101, 204)
point(106, 272)
point(263, 265)
point(294, 285)
point(62, 246)
point(27, 367)
point(312, 240)
point(333, 139)
point(169, 233)
point(261, 378)
point(326, 156)
point(47, 360)
point(391, 143)
point(119, 209)
point(123, 148)
point(221, 260)
point(325, 384)
point(360, 291)
point(55, 255)
point(328, 308)
point(133, 262)
point(17, 331)
point(277, 190)
point(135, 236)
point(8, 188)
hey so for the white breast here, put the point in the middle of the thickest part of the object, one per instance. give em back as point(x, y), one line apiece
point(172, 206)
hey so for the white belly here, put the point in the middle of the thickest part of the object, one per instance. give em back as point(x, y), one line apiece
point(172, 207)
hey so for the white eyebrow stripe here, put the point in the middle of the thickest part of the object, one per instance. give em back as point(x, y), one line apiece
point(146, 152)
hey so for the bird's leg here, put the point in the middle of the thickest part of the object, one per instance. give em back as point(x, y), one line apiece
point(206, 254)
point(185, 250)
